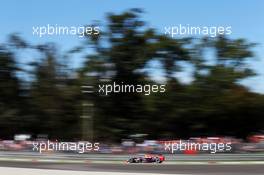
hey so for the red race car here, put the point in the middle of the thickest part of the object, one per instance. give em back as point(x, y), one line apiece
point(147, 158)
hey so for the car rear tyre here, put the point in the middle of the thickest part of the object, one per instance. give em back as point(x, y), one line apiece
point(130, 160)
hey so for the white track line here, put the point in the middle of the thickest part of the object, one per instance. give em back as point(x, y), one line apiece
point(29, 171)
point(122, 162)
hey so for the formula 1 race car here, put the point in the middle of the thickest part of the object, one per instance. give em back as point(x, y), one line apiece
point(147, 158)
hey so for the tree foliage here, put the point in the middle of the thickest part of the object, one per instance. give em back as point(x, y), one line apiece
point(213, 103)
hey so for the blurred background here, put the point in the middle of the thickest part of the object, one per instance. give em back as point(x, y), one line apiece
point(214, 85)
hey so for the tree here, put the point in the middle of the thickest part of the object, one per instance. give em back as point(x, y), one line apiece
point(9, 93)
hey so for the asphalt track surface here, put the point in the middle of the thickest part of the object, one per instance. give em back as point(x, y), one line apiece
point(221, 164)
point(116, 157)
point(164, 168)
